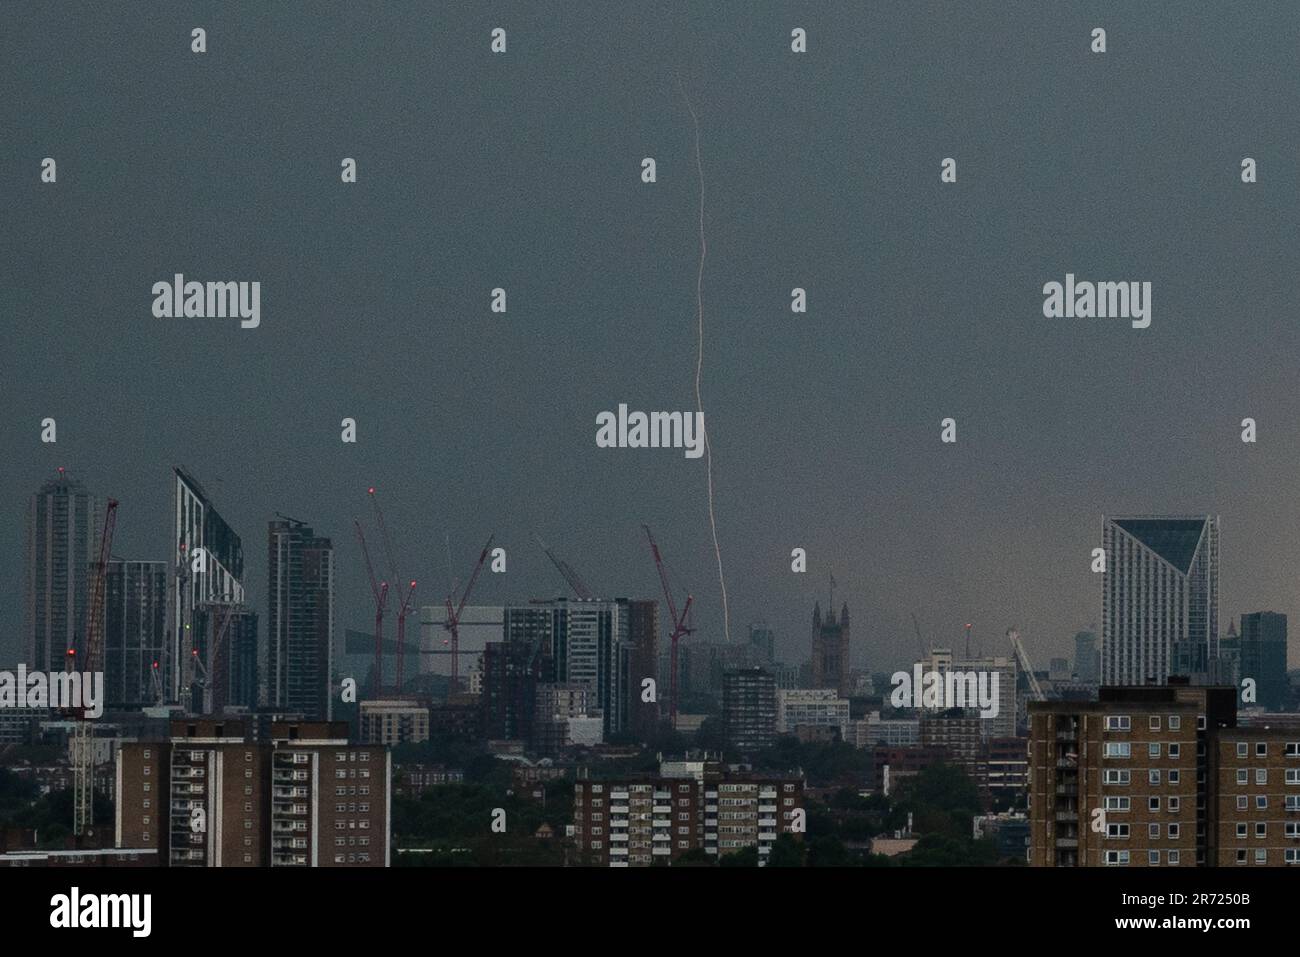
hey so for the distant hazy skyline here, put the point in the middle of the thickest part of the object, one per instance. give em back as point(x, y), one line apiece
point(522, 171)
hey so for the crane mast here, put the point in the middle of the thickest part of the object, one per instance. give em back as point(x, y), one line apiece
point(92, 662)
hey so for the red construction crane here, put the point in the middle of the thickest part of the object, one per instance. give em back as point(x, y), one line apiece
point(577, 584)
point(403, 600)
point(680, 627)
point(92, 662)
point(380, 592)
point(452, 623)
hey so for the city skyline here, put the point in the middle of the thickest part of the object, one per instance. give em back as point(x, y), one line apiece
point(790, 647)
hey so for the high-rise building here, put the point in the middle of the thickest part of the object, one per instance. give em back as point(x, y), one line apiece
point(1263, 658)
point(811, 708)
point(1087, 663)
point(62, 537)
point(300, 619)
point(1002, 724)
point(749, 708)
point(830, 651)
point(135, 632)
point(643, 637)
point(207, 567)
point(1160, 598)
point(1122, 781)
point(212, 796)
point(511, 673)
point(763, 640)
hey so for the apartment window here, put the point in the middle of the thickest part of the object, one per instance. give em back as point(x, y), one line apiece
point(341, 774)
point(147, 772)
point(148, 753)
point(1174, 750)
point(1172, 804)
point(1117, 830)
point(144, 820)
point(1243, 776)
point(248, 858)
point(1175, 776)
point(1261, 829)
point(683, 843)
point(597, 845)
point(1292, 829)
point(1118, 749)
point(1243, 802)
point(1293, 749)
point(1292, 855)
point(1118, 722)
point(1241, 831)
point(1117, 803)
point(1200, 722)
point(248, 755)
point(1153, 776)
point(340, 808)
point(1261, 749)
point(1243, 749)
point(789, 787)
point(1173, 857)
point(1153, 804)
point(1153, 749)
point(365, 755)
point(597, 830)
point(1261, 856)
point(1261, 801)
point(1293, 802)
point(1153, 858)
point(145, 804)
point(338, 858)
point(1116, 857)
point(248, 825)
point(1153, 832)
point(1175, 722)
point(1173, 831)
point(598, 789)
point(1241, 856)
point(248, 790)
point(1293, 775)
point(147, 787)
point(1154, 723)
point(683, 816)
point(248, 772)
point(145, 836)
point(1114, 776)
point(364, 807)
point(1261, 775)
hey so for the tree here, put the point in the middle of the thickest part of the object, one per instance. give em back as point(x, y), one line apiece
point(827, 851)
point(745, 857)
point(786, 852)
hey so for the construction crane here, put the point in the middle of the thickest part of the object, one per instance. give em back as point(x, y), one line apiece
point(403, 600)
point(968, 628)
point(380, 592)
point(92, 662)
point(205, 676)
point(159, 696)
point(452, 624)
point(1022, 659)
point(575, 582)
point(680, 626)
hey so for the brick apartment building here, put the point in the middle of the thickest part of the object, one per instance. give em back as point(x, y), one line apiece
point(1159, 777)
point(639, 823)
point(211, 797)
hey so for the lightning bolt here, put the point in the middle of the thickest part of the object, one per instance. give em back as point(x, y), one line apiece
point(699, 364)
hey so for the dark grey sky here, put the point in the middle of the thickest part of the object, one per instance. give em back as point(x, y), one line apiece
point(822, 171)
